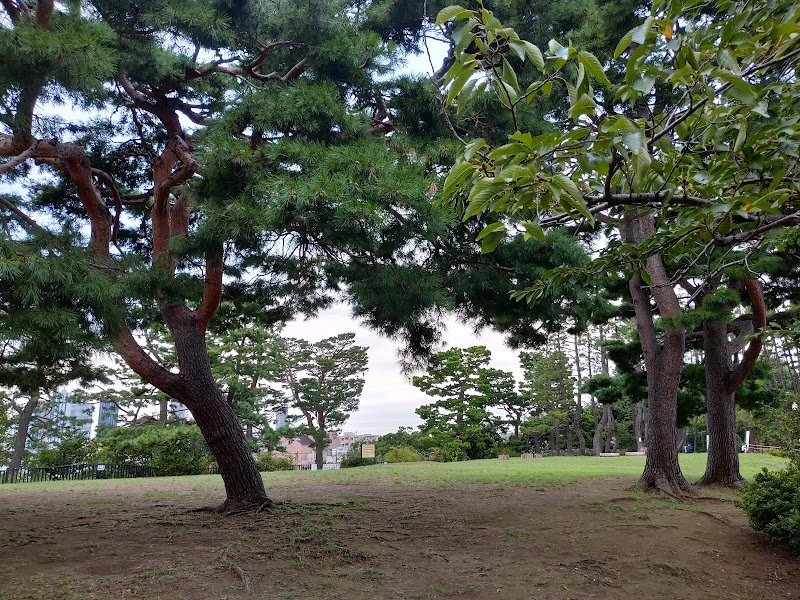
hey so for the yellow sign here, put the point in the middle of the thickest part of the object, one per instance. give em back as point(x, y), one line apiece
point(367, 450)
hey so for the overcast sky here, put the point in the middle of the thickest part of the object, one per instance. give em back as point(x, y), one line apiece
point(389, 399)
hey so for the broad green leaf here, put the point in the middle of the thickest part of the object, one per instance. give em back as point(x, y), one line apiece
point(509, 76)
point(492, 228)
point(741, 137)
point(572, 92)
point(518, 48)
point(482, 193)
point(644, 85)
point(558, 50)
point(491, 241)
point(749, 94)
point(458, 83)
point(726, 59)
point(452, 12)
point(623, 44)
point(574, 198)
point(458, 173)
point(635, 142)
point(534, 55)
point(532, 230)
point(584, 106)
point(593, 66)
point(639, 34)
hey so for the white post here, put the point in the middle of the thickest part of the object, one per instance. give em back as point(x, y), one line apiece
point(747, 441)
point(707, 440)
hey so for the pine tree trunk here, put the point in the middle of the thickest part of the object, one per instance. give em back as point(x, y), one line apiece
point(319, 454)
point(25, 418)
point(244, 486)
point(578, 402)
point(597, 441)
point(638, 410)
point(663, 358)
point(163, 411)
point(568, 434)
point(680, 439)
point(722, 381)
point(609, 425)
point(195, 387)
point(722, 466)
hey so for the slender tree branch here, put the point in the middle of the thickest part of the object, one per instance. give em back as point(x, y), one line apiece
point(212, 289)
point(21, 215)
point(109, 181)
point(750, 357)
point(18, 160)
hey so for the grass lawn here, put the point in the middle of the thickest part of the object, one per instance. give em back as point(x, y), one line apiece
point(552, 528)
point(550, 471)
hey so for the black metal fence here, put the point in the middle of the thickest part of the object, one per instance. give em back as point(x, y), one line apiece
point(77, 471)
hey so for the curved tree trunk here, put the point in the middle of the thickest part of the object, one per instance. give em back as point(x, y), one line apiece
point(25, 418)
point(663, 358)
point(194, 386)
point(215, 417)
point(680, 439)
point(609, 431)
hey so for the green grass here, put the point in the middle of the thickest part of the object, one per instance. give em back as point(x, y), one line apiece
point(545, 472)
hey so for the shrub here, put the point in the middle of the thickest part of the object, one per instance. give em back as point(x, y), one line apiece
point(772, 503)
point(402, 454)
point(779, 452)
point(74, 447)
point(268, 462)
point(447, 453)
point(353, 459)
point(174, 450)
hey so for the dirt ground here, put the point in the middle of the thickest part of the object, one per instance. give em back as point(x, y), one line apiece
point(590, 540)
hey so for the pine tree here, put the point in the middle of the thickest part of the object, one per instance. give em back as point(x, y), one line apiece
point(220, 144)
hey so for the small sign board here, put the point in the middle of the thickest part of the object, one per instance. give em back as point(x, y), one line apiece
point(367, 450)
point(101, 467)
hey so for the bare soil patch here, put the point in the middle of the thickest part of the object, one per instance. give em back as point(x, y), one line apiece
point(590, 540)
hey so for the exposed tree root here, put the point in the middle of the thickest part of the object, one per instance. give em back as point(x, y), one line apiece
point(677, 488)
point(238, 507)
point(717, 518)
point(731, 481)
point(243, 575)
point(246, 581)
